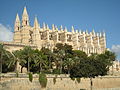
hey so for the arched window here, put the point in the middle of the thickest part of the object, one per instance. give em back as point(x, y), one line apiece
point(26, 22)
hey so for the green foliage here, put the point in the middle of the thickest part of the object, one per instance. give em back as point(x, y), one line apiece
point(56, 71)
point(17, 74)
point(42, 80)
point(72, 78)
point(54, 79)
point(5, 59)
point(30, 77)
point(78, 80)
point(94, 65)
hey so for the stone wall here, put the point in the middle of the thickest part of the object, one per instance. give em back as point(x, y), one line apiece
point(62, 83)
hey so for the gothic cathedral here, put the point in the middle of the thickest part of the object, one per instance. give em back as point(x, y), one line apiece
point(45, 37)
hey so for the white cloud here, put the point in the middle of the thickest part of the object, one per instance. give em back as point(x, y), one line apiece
point(116, 49)
point(6, 33)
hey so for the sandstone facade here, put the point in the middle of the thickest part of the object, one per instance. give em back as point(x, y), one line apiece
point(45, 37)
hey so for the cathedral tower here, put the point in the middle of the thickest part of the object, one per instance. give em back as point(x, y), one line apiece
point(17, 34)
point(26, 30)
point(25, 18)
point(36, 35)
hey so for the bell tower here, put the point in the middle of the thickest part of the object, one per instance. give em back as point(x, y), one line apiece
point(17, 34)
point(25, 18)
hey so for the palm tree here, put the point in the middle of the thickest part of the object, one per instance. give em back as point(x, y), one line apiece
point(28, 56)
point(40, 60)
point(2, 53)
point(68, 63)
point(60, 56)
point(25, 56)
point(15, 60)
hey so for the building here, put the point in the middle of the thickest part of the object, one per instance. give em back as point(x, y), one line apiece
point(37, 36)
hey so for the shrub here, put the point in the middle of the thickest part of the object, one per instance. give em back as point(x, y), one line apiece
point(78, 80)
point(30, 77)
point(54, 79)
point(72, 78)
point(17, 74)
point(42, 80)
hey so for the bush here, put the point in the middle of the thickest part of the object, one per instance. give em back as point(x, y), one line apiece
point(17, 74)
point(54, 79)
point(42, 80)
point(78, 80)
point(30, 77)
point(72, 78)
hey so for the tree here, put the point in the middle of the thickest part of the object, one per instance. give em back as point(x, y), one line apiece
point(26, 57)
point(2, 51)
point(68, 64)
point(40, 60)
point(107, 58)
point(5, 58)
point(14, 60)
point(49, 54)
point(93, 66)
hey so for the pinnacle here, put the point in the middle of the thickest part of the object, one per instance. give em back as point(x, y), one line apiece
point(25, 11)
point(36, 25)
point(72, 29)
point(17, 18)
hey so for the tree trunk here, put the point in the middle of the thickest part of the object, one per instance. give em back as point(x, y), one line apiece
point(40, 67)
point(21, 69)
point(16, 66)
point(91, 83)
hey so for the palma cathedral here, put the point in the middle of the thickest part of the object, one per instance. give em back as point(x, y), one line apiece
point(39, 36)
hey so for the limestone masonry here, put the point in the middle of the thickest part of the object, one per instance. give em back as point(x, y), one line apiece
point(45, 37)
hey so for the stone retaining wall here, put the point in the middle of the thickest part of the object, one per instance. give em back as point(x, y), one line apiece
point(63, 82)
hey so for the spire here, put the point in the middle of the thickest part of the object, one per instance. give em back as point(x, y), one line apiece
point(25, 11)
point(17, 18)
point(93, 32)
point(25, 17)
point(44, 26)
point(65, 29)
point(53, 27)
point(17, 23)
point(36, 24)
point(73, 29)
point(61, 27)
point(87, 32)
point(76, 31)
point(47, 27)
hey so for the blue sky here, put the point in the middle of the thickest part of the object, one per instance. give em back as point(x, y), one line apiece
point(100, 15)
